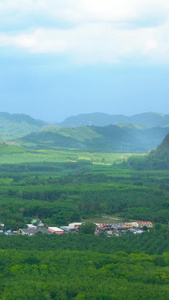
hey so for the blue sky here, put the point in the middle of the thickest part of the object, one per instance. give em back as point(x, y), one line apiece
point(66, 57)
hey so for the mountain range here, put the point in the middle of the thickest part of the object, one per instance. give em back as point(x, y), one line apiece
point(143, 133)
point(110, 138)
point(149, 119)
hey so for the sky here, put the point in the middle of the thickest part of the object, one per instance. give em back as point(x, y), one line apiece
point(60, 58)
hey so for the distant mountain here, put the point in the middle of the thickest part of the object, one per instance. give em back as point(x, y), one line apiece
point(98, 119)
point(13, 126)
point(122, 137)
point(112, 138)
point(101, 119)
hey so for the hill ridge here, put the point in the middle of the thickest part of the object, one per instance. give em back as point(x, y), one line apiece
point(111, 138)
point(148, 119)
point(13, 126)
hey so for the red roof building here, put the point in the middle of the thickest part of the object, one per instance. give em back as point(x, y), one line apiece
point(56, 230)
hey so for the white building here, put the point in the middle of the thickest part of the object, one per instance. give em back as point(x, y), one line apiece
point(75, 224)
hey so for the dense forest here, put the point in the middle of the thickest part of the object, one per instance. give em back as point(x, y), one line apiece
point(83, 275)
point(63, 193)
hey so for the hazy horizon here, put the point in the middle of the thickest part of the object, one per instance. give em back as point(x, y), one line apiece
point(96, 112)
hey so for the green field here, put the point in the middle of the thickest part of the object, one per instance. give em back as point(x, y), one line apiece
point(15, 155)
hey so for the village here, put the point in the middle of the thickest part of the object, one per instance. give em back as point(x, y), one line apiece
point(115, 229)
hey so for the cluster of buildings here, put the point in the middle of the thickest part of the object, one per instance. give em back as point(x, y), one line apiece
point(116, 229)
point(40, 227)
point(108, 229)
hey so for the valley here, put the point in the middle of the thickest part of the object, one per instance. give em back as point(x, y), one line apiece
point(44, 177)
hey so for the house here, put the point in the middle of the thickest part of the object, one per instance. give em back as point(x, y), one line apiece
point(148, 224)
point(33, 231)
point(134, 224)
point(56, 230)
point(75, 225)
point(31, 226)
point(100, 225)
point(129, 225)
point(68, 229)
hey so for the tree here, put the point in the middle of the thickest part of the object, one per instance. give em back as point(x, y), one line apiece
point(157, 226)
point(87, 228)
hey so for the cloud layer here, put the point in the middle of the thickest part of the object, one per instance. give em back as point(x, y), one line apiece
point(86, 31)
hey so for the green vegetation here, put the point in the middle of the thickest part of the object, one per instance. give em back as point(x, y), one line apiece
point(138, 133)
point(83, 275)
point(62, 186)
point(112, 138)
point(157, 159)
point(63, 192)
point(10, 154)
point(87, 228)
point(17, 125)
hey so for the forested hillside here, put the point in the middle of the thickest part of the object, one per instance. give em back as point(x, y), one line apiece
point(113, 138)
point(123, 137)
point(13, 126)
point(157, 159)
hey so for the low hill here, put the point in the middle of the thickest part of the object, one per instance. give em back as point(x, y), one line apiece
point(101, 119)
point(110, 138)
point(13, 126)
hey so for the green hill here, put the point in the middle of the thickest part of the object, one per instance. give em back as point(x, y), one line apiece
point(92, 138)
point(157, 159)
point(13, 126)
point(110, 138)
point(126, 134)
point(160, 157)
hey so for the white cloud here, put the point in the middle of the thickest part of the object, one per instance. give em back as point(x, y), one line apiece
point(85, 10)
point(101, 31)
